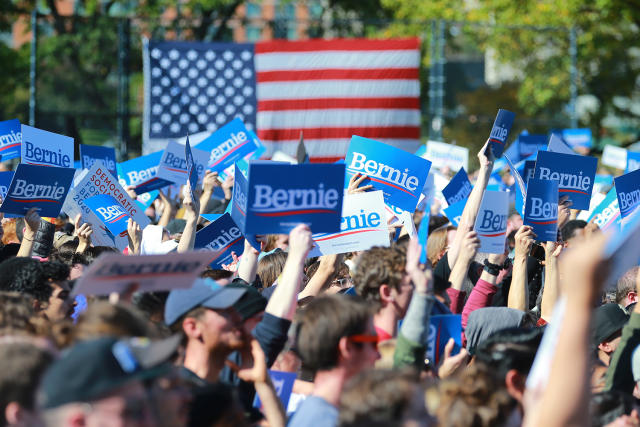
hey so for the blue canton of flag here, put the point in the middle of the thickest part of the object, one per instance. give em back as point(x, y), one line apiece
point(193, 87)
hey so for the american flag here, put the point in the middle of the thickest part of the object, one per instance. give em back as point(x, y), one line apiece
point(327, 89)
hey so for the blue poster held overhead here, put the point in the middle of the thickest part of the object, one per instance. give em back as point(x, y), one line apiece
point(530, 144)
point(577, 137)
point(633, 161)
point(454, 212)
point(400, 175)
point(529, 171)
point(607, 214)
point(41, 187)
point(276, 197)
point(458, 188)
point(628, 189)
point(42, 148)
point(110, 212)
point(541, 209)
point(5, 181)
point(141, 173)
point(574, 174)
point(192, 170)
point(229, 143)
point(441, 328)
point(10, 139)
point(500, 131)
point(90, 153)
point(223, 236)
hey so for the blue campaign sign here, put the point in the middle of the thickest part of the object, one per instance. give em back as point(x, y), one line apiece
point(458, 188)
point(283, 384)
point(229, 143)
point(276, 197)
point(441, 328)
point(628, 189)
point(500, 131)
point(42, 148)
point(558, 145)
point(5, 181)
point(223, 236)
point(110, 212)
point(633, 161)
point(575, 175)
point(607, 213)
point(529, 171)
point(577, 137)
point(90, 153)
point(41, 187)
point(146, 199)
point(541, 209)
point(400, 175)
point(192, 170)
point(10, 139)
point(141, 173)
point(530, 144)
point(454, 212)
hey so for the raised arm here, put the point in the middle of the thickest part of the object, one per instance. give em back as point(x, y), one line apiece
point(519, 289)
point(192, 207)
point(470, 245)
point(32, 223)
point(209, 183)
point(284, 301)
point(551, 289)
point(322, 278)
point(471, 209)
point(248, 266)
point(168, 209)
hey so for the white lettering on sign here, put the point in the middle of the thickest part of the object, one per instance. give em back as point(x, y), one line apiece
point(23, 190)
point(607, 214)
point(111, 213)
point(225, 239)
point(269, 200)
point(541, 210)
point(11, 138)
point(89, 161)
point(566, 180)
point(234, 141)
point(364, 220)
point(500, 133)
point(43, 155)
point(462, 193)
point(492, 221)
point(138, 177)
point(359, 163)
point(628, 200)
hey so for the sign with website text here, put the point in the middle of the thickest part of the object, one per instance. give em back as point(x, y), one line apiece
point(400, 175)
point(607, 213)
point(276, 197)
point(141, 172)
point(98, 181)
point(39, 187)
point(173, 163)
point(443, 155)
point(115, 272)
point(90, 153)
point(363, 226)
point(500, 131)
point(628, 188)
point(541, 209)
point(42, 148)
point(223, 236)
point(491, 223)
point(10, 139)
point(574, 174)
point(458, 189)
point(110, 212)
point(231, 142)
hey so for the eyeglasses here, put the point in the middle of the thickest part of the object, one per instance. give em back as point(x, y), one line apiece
point(364, 339)
point(342, 282)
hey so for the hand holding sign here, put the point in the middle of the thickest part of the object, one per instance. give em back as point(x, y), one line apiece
point(500, 132)
point(134, 234)
point(354, 184)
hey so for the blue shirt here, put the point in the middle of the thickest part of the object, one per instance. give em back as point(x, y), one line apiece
point(315, 412)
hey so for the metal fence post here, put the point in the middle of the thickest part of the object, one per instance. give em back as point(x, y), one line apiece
point(124, 35)
point(33, 68)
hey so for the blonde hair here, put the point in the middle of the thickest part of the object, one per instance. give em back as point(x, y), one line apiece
point(437, 243)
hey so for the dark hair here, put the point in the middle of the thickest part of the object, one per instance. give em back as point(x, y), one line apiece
point(607, 406)
point(23, 364)
point(93, 252)
point(16, 314)
point(570, 227)
point(25, 275)
point(512, 348)
point(65, 252)
point(436, 222)
point(379, 266)
point(151, 304)
point(212, 273)
point(105, 319)
point(55, 271)
point(323, 322)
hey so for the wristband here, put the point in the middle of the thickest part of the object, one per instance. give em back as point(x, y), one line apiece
point(493, 269)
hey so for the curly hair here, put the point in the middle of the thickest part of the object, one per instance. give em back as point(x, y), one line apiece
point(25, 275)
point(55, 271)
point(379, 266)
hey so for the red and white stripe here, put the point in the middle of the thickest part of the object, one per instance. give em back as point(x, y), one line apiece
point(333, 89)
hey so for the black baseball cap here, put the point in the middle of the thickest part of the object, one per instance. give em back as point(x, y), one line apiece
point(607, 320)
point(251, 303)
point(92, 369)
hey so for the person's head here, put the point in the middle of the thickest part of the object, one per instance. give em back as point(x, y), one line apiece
point(274, 241)
point(380, 277)
point(606, 407)
point(270, 267)
point(439, 242)
point(93, 252)
point(99, 382)
point(26, 275)
point(606, 330)
point(61, 303)
point(510, 354)
point(23, 362)
point(221, 276)
point(626, 293)
point(336, 331)
point(377, 398)
point(486, 321)
point(17, 314)
point(116, 320)
point(250, 306)
point(204, 314)
point(476, 397)
point(572, 229)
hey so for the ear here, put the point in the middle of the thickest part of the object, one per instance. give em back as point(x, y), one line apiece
point(386, 294)
point(605, 346)
point(37, 306)
point(515, 382)
point(345, 348)
point(191, 328)
point(76, 419)
point(632, 297)
point(13, 413)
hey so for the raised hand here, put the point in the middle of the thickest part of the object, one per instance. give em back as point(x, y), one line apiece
point(354, 184)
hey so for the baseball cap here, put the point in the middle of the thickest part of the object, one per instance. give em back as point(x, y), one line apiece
point(607, 320)
point(91, 369)
point(251, 303)
point(204, 293)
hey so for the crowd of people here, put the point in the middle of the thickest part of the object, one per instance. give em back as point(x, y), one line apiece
point(353, 327)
